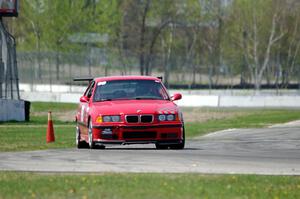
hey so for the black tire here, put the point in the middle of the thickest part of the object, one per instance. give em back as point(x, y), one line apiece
point(160, 146)
point(180, 145)
point(79, 144)
point(173, 146)
point(100, 146)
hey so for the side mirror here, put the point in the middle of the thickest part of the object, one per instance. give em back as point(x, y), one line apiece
point(176, 96)
point(84, 99)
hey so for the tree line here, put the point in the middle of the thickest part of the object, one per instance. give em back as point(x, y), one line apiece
point(249, 41)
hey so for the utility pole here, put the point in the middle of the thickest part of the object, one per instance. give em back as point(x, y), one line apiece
point(9, 79)
point(9, 65)
point(1, 65)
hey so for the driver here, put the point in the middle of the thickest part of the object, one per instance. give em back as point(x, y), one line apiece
point(147, 90)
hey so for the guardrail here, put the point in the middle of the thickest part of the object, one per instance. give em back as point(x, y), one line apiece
point(188, 100)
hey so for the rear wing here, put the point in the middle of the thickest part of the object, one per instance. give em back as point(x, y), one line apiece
point(80, 79)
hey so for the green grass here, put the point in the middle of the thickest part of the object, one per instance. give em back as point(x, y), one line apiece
point(32, 135)
point(52, 106)
point(33, 185)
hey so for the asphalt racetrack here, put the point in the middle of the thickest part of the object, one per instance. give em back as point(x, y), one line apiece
point(274, 151)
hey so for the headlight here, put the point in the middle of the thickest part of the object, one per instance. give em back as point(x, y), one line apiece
point(111, 118)
point(107, 119)
point(170, 117)
point(116, 118)
point(161, 117)
point(167, 117)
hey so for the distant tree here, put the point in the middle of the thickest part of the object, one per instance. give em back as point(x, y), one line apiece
point(65, 19)
point(32, 20)
point(256, 40)
point(288, 48)
point(256, 31)
point(143, 22)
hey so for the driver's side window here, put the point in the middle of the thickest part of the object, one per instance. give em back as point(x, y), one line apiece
point(89, 90)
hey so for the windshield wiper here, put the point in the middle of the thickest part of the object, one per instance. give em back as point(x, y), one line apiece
point(103, 100)
point(150, 98)
point(115, 99)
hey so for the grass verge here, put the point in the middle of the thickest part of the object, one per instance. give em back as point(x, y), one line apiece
point(33, 185)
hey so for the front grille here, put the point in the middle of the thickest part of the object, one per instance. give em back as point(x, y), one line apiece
point(139, 135)
point(139, 118)
point(132, 118)
point(146, 118)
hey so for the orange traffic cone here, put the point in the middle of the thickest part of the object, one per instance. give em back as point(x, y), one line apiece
point(50, 130)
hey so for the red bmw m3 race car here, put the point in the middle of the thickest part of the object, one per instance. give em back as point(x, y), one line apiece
point(129, 110)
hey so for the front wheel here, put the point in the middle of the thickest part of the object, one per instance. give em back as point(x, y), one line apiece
point(92, 144)
point(90, 131)
point(180, 145)
point(160, 146)
point(79, 143)
point(173, 146)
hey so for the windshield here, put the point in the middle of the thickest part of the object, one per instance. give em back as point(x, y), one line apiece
point(130, 89)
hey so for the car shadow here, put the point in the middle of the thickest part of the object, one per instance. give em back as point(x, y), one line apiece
point(144, 149)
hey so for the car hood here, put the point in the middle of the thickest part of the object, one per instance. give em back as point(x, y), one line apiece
point(134, 107)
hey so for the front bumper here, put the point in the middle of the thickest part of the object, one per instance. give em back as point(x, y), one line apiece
point(139, 134)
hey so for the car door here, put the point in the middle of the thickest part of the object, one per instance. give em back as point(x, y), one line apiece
point(85, 101)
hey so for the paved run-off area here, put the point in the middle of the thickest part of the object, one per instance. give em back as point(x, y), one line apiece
point(274, 151)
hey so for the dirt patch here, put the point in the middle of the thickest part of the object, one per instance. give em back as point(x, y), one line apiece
point(66, 116)
point(205, 114)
